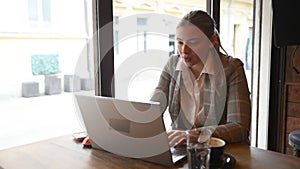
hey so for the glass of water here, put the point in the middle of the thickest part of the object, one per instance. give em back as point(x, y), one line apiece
point(198, 150)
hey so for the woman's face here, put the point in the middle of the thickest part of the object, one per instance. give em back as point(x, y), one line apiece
point(193, 45)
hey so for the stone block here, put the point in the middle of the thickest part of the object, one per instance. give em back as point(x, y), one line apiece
point(52, 85)
point(72, 83)
point(30, 89)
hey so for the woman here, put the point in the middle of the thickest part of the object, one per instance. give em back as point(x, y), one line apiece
point(202, 82)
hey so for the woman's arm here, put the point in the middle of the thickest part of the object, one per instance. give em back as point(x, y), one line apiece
point(237, 122)
point(161, 92)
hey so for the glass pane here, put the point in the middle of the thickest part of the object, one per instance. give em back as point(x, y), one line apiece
point(46, 10)
point(33, 10)
point(41, 67)
point(236, 28)
point(144, 34)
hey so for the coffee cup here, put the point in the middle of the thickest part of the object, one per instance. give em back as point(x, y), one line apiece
point(217, 146)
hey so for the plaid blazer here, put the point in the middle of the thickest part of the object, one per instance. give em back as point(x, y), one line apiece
point(234, 119)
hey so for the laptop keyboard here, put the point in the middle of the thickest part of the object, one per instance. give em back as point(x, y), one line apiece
point(178, 150)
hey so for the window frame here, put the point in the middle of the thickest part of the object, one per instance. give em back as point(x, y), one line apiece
point(103, 54)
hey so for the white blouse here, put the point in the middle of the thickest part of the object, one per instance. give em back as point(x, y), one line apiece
point(192, 93)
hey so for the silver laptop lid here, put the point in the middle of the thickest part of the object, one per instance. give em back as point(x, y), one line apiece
point(127, 128)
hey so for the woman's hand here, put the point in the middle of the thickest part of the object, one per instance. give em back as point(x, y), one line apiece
point(178, 137)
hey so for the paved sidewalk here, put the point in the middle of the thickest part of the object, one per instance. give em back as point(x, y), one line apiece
point(27, 120)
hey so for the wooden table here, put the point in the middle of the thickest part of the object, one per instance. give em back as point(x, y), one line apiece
point(65, 153)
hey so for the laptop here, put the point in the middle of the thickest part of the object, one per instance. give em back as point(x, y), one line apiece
point(128, 128)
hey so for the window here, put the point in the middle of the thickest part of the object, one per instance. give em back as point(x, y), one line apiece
point(116, 20)
point(46, 10)
point(141, 21)
point(172, 46)
point(33, 10)
point(141, 41)
point(146, 38)
point(236, 17)
point(39, 10)
point(236, 22)
point(33, 49)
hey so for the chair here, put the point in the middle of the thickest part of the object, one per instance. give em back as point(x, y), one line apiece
point(294, 141)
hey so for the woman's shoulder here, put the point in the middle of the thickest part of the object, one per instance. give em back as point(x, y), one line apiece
point(229, 61)
point(173, 60)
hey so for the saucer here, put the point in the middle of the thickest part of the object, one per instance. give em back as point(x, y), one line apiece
point(228, 162)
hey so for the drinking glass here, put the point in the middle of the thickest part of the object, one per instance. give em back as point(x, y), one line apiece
point(198, 150)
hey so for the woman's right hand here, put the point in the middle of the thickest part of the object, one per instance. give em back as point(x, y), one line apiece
point(178, 137)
